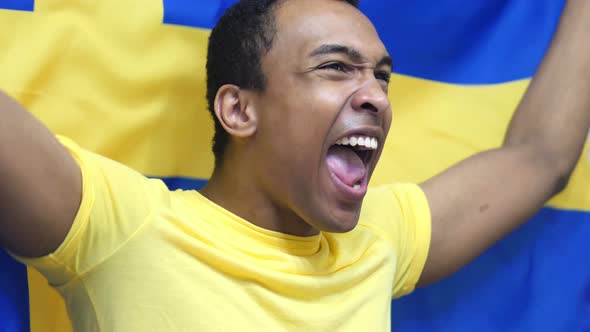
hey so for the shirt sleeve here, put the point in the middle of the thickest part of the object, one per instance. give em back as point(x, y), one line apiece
point(401, 214)
point(116, 202)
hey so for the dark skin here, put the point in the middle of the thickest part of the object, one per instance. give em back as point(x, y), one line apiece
point(321, 82)
point(327, 76)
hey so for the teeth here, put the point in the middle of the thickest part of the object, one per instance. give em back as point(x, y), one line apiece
point(368, 142)
point(356, 186)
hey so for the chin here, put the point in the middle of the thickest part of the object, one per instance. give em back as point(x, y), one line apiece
point(343, 223)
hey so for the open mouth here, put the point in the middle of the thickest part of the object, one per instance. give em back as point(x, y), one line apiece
point(349, 160)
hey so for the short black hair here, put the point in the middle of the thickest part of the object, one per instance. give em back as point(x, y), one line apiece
point(239, 40)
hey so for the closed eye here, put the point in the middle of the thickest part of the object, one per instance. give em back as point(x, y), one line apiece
point(383, 76)
point(335, 66)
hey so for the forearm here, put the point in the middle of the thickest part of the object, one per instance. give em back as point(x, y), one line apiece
point(554, 115)
point(483, 198)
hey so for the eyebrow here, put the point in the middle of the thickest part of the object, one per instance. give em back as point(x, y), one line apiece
point(354, 54)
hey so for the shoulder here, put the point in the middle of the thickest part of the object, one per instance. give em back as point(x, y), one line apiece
point(399, 199)
point(396, 209)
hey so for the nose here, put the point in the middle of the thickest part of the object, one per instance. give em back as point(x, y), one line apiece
point(371, 97)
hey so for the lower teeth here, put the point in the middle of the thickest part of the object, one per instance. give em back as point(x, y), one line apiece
point(356, 186)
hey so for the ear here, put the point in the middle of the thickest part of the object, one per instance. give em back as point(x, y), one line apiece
point(235, 111)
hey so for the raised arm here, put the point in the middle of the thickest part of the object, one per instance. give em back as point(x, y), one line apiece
point(41, 184)
point(481, 199)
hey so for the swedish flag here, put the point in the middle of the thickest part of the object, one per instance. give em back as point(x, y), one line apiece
point(125, 78)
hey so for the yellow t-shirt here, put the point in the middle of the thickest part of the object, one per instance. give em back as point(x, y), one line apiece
point(141, 258)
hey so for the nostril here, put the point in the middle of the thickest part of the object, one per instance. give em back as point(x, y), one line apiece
point(370, 107)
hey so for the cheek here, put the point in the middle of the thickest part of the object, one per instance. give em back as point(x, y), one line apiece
point(387, 120)
point(296, 122)
point(307, 121)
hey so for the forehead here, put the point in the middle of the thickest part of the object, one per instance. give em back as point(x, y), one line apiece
point(304, 25)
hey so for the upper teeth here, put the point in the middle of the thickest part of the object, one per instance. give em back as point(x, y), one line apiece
point(366, 141)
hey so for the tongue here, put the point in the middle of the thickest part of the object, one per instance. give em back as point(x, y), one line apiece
point(346, 165)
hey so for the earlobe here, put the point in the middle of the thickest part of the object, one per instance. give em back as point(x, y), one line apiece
point(235, 111)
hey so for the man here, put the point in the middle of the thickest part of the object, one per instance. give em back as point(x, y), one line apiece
point(277, 240)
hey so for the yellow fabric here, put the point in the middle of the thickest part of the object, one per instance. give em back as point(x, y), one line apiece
point(141, 258)
point(435, 125)
point(47, 309)
point(112, 76)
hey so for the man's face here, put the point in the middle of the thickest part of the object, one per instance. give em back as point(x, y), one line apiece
point(327, 76)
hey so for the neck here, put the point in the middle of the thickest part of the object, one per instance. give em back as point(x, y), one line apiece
point(236, 190)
